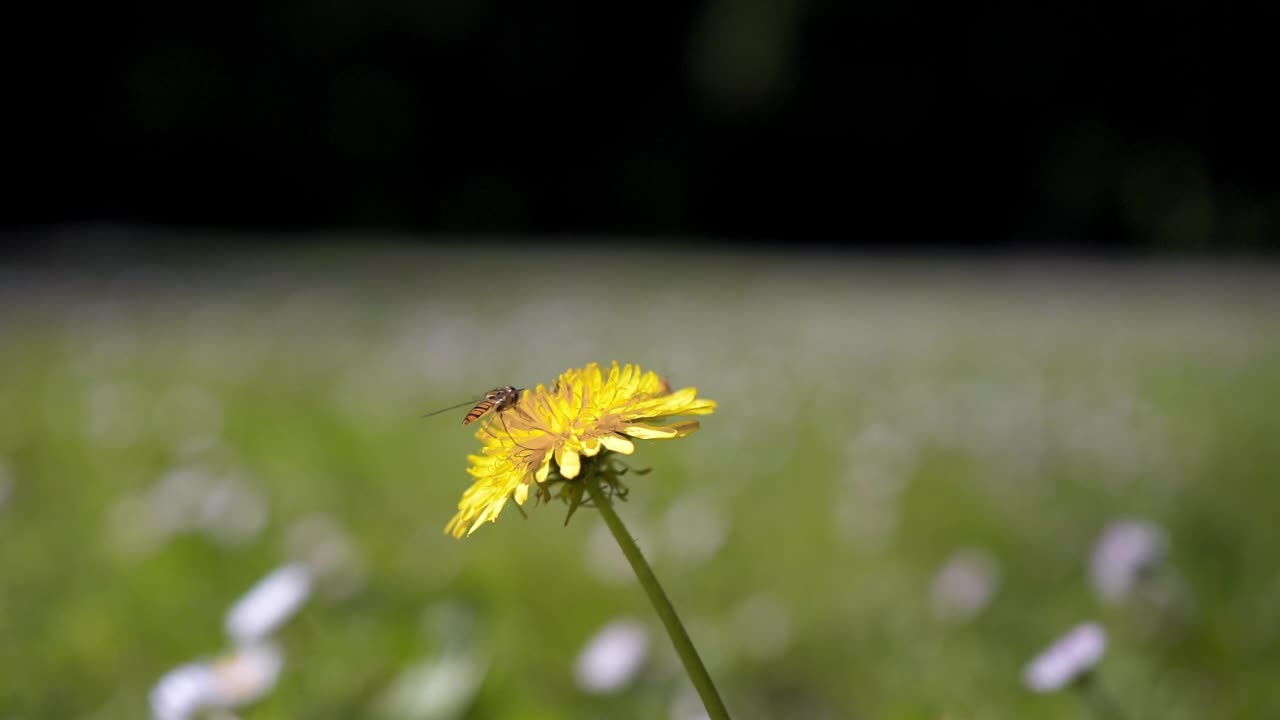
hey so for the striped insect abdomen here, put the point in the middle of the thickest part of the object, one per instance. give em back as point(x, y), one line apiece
point(479, 410)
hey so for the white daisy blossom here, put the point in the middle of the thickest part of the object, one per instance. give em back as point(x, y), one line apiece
point(231, 511)
point(1123, 555)
point(182, 692)
point(435, 689)
point(235, 679)
point(269, 603)
point(247, 674)
point(964, 586)
point(612, 657)
point(1073, 655)
point(320, 545)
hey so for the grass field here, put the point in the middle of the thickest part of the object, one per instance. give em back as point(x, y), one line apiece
point(171, 432)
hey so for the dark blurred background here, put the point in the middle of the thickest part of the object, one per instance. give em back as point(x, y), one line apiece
point(1142, 127)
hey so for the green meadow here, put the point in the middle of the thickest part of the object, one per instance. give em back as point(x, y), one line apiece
point(172, 431)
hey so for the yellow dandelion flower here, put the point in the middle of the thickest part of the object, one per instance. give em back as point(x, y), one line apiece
point(547, 433)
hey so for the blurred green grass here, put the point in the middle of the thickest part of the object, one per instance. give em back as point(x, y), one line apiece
point(875, 417)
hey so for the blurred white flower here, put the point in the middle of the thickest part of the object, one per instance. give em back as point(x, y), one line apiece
point(183, 691)
point(175, 499)
point(695, 529)
point(235, 679)
point(612, 657)
point(190, 498)
point(247, 674)
point(965, 584)
point(435, 689)
point(319, 543)
point(1126, 552)
point(1073, 655)
point(231, 511)
point(269, 603)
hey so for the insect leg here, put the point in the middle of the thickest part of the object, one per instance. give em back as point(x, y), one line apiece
point(489, 421)
point(484, 426)
point(508, 432)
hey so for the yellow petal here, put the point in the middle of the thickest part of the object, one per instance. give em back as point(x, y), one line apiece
point(684, 427)
point(614, 374)
point(490, 514)
point(590, 447)
point(680, 402)
point(650, 383)
point(648, 432)
point(456, 526)
point(522, 493)
point(569, 464)
point(543, 470)
point(618, 444)
point(701, 406)
point(683, 396)
point(661, 432)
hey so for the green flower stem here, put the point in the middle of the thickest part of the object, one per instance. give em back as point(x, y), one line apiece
point(679, 638)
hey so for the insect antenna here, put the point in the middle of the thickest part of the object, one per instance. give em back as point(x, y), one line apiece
point(451, 407)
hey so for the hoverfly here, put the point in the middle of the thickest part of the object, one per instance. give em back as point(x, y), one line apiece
point(495, 401)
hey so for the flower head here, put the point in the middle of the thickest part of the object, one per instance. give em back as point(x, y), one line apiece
point(545, 435)
point(1126, 554)
point(271, 602)
point(612, 657)
point(1069, 658)
point(964, 586)
point(234, 679)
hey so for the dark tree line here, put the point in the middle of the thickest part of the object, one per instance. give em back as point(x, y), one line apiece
point(1059, 124)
